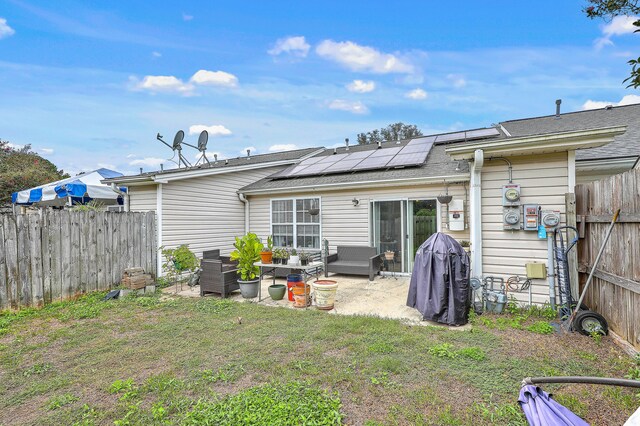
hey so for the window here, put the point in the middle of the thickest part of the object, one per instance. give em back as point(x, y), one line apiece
point(293, 226)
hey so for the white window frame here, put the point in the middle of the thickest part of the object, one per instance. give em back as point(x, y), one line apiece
point(295, 219)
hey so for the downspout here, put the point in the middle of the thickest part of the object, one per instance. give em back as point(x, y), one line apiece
point(244, 199)
point(125, 196)
point(476, 214)
point(159, 228)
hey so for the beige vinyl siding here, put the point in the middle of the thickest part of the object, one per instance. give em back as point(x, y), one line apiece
point(142, 198)
point(205, 212)
point(341, 222)
point(543, 180)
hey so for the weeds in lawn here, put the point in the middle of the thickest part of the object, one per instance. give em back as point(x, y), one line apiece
point(61, 400)
point(227, 374)
point(211, 305)
point(510, 413)
point(37, 369)
point(281, 404)
point(541, 327)
point(473, 353)
point(443, 350)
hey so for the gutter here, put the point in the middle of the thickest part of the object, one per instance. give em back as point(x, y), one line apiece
point(527, 145)
point(475, 199)
point(362, 184)
point(606, 164)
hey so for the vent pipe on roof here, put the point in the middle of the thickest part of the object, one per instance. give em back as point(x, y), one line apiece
point(248, 154)
point(161, 167)
point(335, 151)
point(226, 162)
point(558, 102)
point(140, 170)
point(346, 142)
point(379, 144)
point(215, 158)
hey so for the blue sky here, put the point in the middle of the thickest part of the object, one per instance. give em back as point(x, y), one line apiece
point(89, 84)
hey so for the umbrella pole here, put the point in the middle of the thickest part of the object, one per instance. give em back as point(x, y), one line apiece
point(582, 379)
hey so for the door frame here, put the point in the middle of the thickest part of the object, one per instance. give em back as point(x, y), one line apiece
point(403, 227)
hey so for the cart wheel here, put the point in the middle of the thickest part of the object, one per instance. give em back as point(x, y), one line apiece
point(587, 322)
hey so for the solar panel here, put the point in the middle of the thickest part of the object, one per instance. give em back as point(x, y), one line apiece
point(374, 163)
point(411, 159)
point(332, 158)
point(312, 160)
point(343, 166)
point(450, 137)
point(385, 152)
point(483, 133)
point(422, 141)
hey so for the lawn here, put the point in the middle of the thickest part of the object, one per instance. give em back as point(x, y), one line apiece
point(163, 360)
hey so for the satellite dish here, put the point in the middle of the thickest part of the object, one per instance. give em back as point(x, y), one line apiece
point(177, 140)
point(202, 140)
point(177, 146)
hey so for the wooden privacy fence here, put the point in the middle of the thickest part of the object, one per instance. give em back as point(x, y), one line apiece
point(58, 254)
point(615, 290)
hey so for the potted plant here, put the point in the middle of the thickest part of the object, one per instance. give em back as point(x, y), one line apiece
point(275, 256)
point(247, 253)
point(294, 259)
point(284, 256)
point(304, 258)
point(267, 253)
point(389, 254)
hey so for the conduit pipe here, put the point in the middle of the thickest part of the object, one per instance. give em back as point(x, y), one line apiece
point(476, 214)
point(244, 199)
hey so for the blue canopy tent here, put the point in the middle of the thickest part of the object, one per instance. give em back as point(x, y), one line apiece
point(78, 189)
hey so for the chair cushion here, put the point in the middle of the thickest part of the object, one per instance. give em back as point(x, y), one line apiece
point(350, 263)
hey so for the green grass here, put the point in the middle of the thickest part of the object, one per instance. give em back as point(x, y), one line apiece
point(164, 360)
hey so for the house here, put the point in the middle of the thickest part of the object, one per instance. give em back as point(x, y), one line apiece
point(387, 194)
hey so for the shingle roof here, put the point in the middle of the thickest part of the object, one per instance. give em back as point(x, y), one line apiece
point(238, 161)
point(438, 164)
point(625, 145)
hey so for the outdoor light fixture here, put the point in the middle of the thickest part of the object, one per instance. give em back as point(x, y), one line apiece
point(314, 210)
point(355, 202)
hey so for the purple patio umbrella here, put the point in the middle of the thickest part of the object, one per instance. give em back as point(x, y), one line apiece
point(541, 410)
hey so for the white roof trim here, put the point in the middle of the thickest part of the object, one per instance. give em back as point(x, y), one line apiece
point(179, 174)
point(363, 184)
point(538, 144)
point(605, 164)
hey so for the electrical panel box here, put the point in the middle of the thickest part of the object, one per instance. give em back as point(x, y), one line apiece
point(550, 218)
point(536, 270)
point(511, 195)
point(531, 213)
point(456, 215)
point(511, 218)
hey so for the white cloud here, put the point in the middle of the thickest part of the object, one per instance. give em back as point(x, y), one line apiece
point(186, 17)
point(253, 150)
point(156, 54)
point(457, 80)
point(417, 94)
point(213, 130)
point(148, 162)
point(626, 100)
point(46, 150)
point(283, 147)
point(5, 29)
point(215, 78)
point(355, 107)
point(619, 25)
point(361, 86)
point(296, 46)
point(362, 58)
point(164, 83)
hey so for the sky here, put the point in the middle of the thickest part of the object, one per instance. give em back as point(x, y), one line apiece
point(90, 83)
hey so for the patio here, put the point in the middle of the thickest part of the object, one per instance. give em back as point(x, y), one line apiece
point(384, 297)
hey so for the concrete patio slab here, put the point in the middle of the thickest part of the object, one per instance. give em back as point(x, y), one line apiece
point(385, 297)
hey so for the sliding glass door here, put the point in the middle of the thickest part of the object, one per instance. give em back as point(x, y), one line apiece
point(400, 227)
point(389, 231)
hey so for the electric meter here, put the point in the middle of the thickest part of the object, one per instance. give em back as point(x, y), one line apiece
point(511, 195)
point(550, 218)
point(511, 218)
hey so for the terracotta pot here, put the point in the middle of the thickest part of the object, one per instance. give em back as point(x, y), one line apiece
point(301, 298)
point(266, 256)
